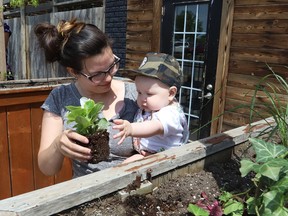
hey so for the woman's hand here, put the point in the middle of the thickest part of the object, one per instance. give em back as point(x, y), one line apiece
point(67, 146)
point(124, 127)
point(56, 143)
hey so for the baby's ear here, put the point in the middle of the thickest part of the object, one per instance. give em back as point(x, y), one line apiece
point(172, 92)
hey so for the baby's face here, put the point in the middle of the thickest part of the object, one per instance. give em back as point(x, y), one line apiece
point(152, 93)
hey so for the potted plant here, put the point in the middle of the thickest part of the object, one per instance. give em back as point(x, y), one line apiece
point(87, 122)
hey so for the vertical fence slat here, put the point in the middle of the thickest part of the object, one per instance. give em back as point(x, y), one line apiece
point(19, 132)
point(2, 47)
point(23, 40)
point(5, 181)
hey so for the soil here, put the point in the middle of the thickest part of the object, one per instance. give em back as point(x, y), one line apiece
point(99, 145)
point(173, 197)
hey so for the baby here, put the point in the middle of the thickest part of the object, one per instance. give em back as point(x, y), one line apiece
point(160, 123)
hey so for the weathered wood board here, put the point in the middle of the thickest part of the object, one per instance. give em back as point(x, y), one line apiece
point(56, 198)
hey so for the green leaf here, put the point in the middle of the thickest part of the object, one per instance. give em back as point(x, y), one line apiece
point(266, 150)
point(197, 211)
point(233, 207)
point(273, 201)
point(251, 204)
point(225, 196)
point(88, 105)
point(269, 171)
point(281, 185)
point(84, 122)
point(103, 124)
point(246, 167)
point(86, 117)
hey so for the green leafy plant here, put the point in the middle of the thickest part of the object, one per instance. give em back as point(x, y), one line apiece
point(271, 179)
point(204, 208)
point(20, 3)
point(231, 204)
point(270, 99)
point(268, 196)
point(86, 117)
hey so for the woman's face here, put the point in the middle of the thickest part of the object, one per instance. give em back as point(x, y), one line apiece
point(92, 77)
point(152, 93)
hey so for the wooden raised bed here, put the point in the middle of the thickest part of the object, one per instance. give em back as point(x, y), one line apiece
point(160, 167)
point(20, 123)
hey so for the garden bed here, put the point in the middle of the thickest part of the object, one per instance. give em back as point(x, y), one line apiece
point(159, 169)
point(174, 196)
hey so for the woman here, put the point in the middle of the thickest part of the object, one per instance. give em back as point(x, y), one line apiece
point(87, 54)
point(7, 35)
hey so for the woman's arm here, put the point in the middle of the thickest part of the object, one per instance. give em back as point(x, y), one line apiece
point(56, 143)
point(137, 129)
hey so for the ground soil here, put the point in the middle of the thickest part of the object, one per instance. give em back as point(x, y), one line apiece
point(173, 197)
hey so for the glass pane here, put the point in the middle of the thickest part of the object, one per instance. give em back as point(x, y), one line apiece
point(191, 17)
point(187, 73)
point(193, 128)
point(198, 75)
point(202, 17)
point(196, 103)
point(200, 47)
point(184, 99)
point(179, 18)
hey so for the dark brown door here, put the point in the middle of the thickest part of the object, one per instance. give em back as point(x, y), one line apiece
point(190, 32)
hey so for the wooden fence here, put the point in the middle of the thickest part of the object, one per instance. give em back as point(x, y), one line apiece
point(259, 36)
point(26, 59)
point(20, 123)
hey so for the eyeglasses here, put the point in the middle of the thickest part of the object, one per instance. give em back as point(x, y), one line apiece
point(100, 75)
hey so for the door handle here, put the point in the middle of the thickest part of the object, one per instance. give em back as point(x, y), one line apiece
point(207, 96)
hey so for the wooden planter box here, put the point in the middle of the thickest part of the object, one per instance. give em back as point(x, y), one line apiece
point(161, 167)
point(20, 123)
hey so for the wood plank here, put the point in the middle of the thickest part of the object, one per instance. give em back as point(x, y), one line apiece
point(135, 57)
point(19, 133)
point(235, 119)
point(7, 100)
point(222, 65)
point(139, 5)
point(242, 107)
point(15, 96)
point(274, 56)
point(259, 2)
point(131, 64)
point(239, 93)
point(256, 68)
point(156, 26)
point(139, 36)
point(250, 82)
point(139, 16)
point(268, 11)
point(260, 26)
point(53, 199)
point(139, 46)
point(267, 41)
point(139, 27)
point(36, 118)
point(5, 180)
point(24, 89)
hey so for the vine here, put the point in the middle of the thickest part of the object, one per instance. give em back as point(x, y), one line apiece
point(20, 3)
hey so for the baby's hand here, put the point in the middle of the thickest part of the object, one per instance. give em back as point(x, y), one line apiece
point(124, 127)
